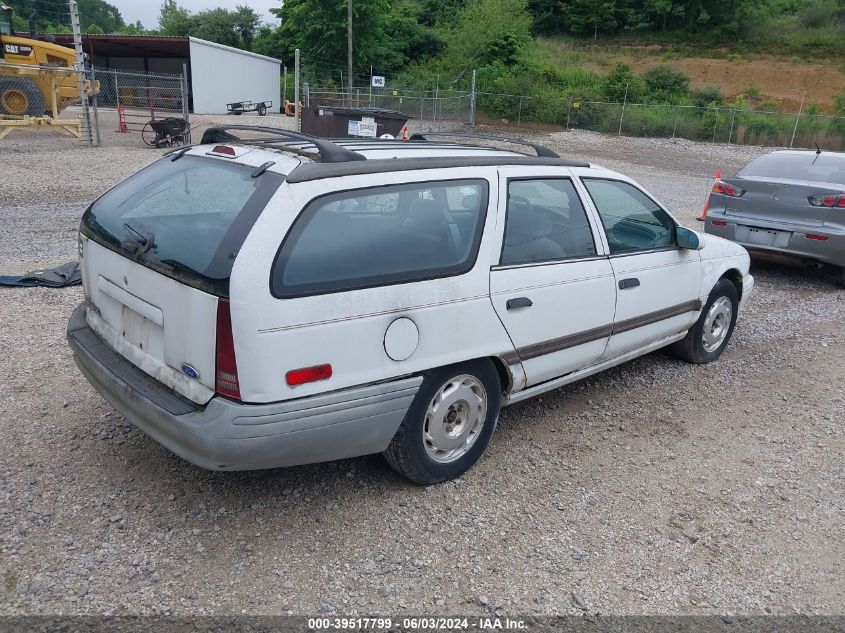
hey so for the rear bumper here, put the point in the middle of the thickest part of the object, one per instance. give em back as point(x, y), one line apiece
point(229, 435)
point(796, 244)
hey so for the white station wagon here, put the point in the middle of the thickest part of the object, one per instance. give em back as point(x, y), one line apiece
point(283, 299)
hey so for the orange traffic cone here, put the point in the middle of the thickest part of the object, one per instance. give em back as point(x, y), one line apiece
point(405, 135)
point(122, 127)
point(703, 215)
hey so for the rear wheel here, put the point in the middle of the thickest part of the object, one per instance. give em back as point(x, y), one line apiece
point(842, 277)
point(708, 338)
point(449, 423)
point(262, 110)
point(20, 97)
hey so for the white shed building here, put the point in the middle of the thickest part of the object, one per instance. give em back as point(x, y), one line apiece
point(217, 74)
point(222, 74)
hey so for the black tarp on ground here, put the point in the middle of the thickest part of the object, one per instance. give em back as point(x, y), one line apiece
point(58, 277)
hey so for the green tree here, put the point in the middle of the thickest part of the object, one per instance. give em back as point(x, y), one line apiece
point(666, 84)
point(173, 19)
point(318, 27)
point(549, 16)
point(469, 43)
point(134, 29)
point(53, 16)
point(246, 22)
point(659, 11)
point(215, 25)
point(621, 81)
point(593, 16)
point(101, 14)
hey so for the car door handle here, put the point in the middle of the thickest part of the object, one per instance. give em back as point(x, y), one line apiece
point(519, 302)
point(632, 282)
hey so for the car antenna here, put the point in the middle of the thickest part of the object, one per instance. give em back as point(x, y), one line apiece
point(818, 153)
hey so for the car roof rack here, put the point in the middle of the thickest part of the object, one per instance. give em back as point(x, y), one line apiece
point(540, 150)
point(329, 152)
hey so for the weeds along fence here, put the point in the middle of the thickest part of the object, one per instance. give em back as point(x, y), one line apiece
point(711, 123)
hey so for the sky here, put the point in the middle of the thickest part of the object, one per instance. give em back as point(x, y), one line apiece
point(147, 10)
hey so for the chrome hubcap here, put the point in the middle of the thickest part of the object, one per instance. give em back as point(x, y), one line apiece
point(454, 418)
point(717, 323)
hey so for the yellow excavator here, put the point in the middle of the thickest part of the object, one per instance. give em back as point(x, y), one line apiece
point(30, 85)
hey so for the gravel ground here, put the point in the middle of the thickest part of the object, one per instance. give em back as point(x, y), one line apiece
point(654, 488)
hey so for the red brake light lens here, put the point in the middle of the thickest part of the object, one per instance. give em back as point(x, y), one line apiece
point(226, 371)
point(718, 223)
point(720, 186)
point(827, 200)
point(818, 238)
point(224, 149)
point(308, 374)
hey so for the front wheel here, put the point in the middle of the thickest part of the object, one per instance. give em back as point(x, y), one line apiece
point(449, 423)
point(708, 338)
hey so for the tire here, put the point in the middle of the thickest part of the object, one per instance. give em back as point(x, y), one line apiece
point(422, 449)
point(262, 110)
point(842, 278)
point(20, 97)
point(708, 338)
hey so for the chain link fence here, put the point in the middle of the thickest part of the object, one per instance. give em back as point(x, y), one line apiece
point(428, 109)
point(448, 109)
point(119, 107)
point(128, 104)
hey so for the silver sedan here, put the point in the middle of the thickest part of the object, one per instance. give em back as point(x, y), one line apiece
point(787, 204)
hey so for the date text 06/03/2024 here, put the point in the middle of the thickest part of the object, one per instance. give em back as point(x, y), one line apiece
point(418, 623)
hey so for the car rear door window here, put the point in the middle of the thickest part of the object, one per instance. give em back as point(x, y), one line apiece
point(545, 222)
point(382, 235)
point(632, 221)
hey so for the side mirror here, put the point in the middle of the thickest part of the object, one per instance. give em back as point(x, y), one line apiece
point(688, 239)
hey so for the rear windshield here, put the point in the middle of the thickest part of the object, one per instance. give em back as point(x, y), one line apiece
point(826, 167)
point(186, 218)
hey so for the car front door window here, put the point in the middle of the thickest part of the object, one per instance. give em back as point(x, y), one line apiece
point(632, 221)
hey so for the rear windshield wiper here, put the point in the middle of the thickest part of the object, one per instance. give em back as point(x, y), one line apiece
point(142, 239)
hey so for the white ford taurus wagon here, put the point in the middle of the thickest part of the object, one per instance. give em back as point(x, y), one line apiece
point(279, 299)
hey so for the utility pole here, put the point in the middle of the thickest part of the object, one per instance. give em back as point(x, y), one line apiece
point(296, 89)
point(80, 68)
point(349, 45)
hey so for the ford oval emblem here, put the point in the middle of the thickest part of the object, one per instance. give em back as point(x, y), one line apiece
point(190, 371)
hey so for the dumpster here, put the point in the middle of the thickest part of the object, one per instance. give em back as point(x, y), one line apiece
point(342, 122)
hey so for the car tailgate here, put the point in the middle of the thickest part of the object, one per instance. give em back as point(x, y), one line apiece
point(165, 327)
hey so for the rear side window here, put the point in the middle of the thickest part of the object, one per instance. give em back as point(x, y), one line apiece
point(824, 167)
point(545, 222)
point(382, 235)
point(632, 221)
point(194, 215)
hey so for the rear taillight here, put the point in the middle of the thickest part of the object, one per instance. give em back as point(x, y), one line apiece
point(827, 200)
point(818, 238)
point(226, 372)
point(718, 223)
point(720, 186)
